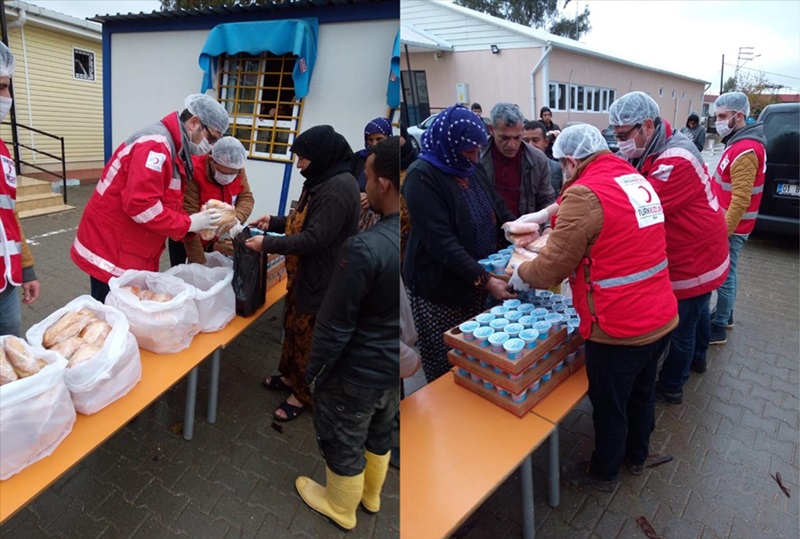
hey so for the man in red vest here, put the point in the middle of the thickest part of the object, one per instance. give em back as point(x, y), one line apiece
point(609, 238)
point(16, 262)
point(697, 249)
point(740, 183)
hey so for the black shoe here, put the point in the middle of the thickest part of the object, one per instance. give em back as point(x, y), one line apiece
point(394, 459)
point(719, 335)
point(577, 474)
point(650, 462)
point(729, 325)
point(699, 366)
point(669, 398)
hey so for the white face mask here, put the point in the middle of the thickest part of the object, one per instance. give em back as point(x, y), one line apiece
point(5, 107)
point(629, 149)
point(723, 126)
point(200, 149)
point(224, 179)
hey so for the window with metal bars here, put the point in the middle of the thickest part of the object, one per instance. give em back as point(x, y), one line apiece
point(83, 64)
point(258, 93)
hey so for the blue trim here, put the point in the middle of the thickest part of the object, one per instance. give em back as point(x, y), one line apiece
point(107, 150)
point(287, 176)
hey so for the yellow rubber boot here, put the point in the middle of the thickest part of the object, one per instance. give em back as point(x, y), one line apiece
point(374, 476)
point(338, 500)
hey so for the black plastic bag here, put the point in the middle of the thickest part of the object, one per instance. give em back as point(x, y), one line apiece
point(249, 276)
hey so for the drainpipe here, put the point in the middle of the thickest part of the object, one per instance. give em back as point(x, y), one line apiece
point(548, 47)
point(22, 18)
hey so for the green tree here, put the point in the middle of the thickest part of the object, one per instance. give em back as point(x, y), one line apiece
point(536, 14)
point(729, 86)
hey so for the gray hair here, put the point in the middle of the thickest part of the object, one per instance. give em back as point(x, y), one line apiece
point(508, 113)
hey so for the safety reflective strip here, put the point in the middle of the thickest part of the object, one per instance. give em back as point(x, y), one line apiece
point(632, 278)
point(115, 165)
point(729, 187)
point(7, 202)
point(12, 248)
point(96, 260)
point(699, 170)
point(759, 189)
point(750, 215)
point(150, 213)
point(175, 183)
point(704, 278)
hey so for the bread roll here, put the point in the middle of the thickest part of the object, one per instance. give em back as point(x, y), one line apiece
point(96, 332)
point(7, 373)
point(69, 347)
point(69, 325)
point(135, 290)
point(23, 361)
point(152, 295)
point(84, 353)
point(228, 219)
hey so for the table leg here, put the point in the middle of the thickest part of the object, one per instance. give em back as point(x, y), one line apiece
point(526, 477)
point(553, 497)
point(213, 390)
point(191, 398)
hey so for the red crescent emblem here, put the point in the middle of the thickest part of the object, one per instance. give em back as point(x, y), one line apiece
point(649, 196)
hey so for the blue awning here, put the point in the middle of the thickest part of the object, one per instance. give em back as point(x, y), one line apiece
point(393, 91)
point(298, 36)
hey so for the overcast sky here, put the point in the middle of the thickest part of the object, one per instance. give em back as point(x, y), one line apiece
point(686, 37)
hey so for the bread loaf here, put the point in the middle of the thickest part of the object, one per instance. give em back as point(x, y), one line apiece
point(69, 325)
point(135, 290)
point(228, 219)
point(152, 295)
point(96, 332)
point(69, 347)
point(7, 373)
point(23, 361)
point(84, 353)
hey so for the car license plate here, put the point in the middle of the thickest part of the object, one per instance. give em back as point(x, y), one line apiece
point(788, 189)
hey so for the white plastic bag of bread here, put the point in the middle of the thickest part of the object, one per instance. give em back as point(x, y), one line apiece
point(519, 256)
point(36, 411)
point(228, 219)
point(103, 361)
point(163, 327)
point(537, 245)
point(213, 293)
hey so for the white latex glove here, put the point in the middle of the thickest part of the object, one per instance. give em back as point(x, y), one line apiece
point(205, 220)
point(236, 229)
point(539, 217)
point(517, 283)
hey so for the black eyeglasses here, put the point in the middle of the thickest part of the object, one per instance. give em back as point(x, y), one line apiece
point(624, 136)
point(211, 138)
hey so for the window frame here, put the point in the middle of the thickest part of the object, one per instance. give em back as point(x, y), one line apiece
point(93, 64)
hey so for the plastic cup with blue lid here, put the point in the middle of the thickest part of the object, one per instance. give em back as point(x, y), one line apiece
point(463, 372)
point(557, 298)
point(559, 366)
point(527, 321)
point(475, 377)
point(512, 316)
point(559, 308)
point(481, 335)
point(495, 256)
point(496, 341)
point(535, 386)
point(513, 329)
point(467, 328)
point(519, 397)
point(571, 357)
point(567, 302)
point(458, 352)
point(486, 263)
point(571, 332)
point(488, 385)
point(484, 318)
point(499, 265)
point(545, 294)
point(571, 312)
point(547, 376)
point(525, 308)
point(499, 310)
point(543, 327)
point(502, 392)
point(513, 348)
point(512, 303)
point(498, 324)
point(555, 320)
point(529, 337)
point(539, 313)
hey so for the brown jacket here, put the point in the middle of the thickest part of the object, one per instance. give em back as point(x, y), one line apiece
point(743, 176)
point(191, 204)
point(579, 222)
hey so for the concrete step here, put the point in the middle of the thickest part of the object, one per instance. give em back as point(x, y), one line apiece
point(39, 200)
point(45, 211)
point(29, 186)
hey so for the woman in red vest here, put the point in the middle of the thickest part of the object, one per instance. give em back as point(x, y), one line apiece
point(610, 240)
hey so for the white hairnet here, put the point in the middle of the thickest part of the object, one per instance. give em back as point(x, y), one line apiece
point(7, 63)
point(229, 152)
point(208, 110)
point(735, 101)
point(632, 108)
point(579, 141)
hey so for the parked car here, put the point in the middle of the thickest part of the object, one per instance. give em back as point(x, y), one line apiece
point(780, 203)
point(611, 140)
point(415, 131)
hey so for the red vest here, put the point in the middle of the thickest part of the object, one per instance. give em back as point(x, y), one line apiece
point(209, 189)
point(624, 286)
point(11, 238)
point(697, 236)
point(723, 178)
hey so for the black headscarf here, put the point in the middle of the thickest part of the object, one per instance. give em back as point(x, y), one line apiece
point(327, 150)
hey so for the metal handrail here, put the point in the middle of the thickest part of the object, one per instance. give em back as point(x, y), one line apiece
point(62, 159)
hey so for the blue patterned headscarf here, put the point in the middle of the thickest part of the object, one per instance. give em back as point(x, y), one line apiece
point(378, 125)
point(453, 130)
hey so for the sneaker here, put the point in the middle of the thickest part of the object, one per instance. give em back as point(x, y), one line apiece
point(699, 366)
point(650, 462)
point(719, 335)
point(669, 398)
point(577, 474)
point(729, 325)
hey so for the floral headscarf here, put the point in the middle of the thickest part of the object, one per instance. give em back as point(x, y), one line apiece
point(378, 125)
point(453, 130)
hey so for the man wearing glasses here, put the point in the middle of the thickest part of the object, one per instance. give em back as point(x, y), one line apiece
point(138, 201)
point(697, 251)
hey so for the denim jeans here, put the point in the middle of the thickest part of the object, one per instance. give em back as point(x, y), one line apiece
point(686, 343)
point(349, 419)
point(726, 294)
point(10, 312)
point(622, 390)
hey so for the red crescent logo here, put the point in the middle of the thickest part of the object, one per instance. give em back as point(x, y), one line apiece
point(649, 196)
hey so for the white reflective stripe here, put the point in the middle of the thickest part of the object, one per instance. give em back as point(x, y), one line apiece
point(704, 278)
point(96, 260)
point(116, 164)
point(699, 169)
point(725, 186)
point(175, 183)
point(632, 278)
point(150, 213)
point(15, 248)
point(750, 215)
point(759, 189)
point(7, 202)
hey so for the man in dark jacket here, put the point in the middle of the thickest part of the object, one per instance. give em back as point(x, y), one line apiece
point(519, 172)
point(354, 367)
point(695, 131)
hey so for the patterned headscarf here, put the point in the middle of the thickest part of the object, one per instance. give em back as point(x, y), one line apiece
point(453, 130)
point(378, 125)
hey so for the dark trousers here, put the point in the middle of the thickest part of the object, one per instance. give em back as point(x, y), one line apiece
point(349, 419)
point(688, 343)
point(99, 289)
point(177, 252)
point(622, 392)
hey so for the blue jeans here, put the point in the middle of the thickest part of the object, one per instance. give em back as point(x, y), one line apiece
point(688, 343)
point(10, 313)
point(726, 294)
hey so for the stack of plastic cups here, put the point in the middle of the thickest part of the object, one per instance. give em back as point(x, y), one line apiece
point(498, 324)
point(512, 304)
point(525, 308)
point(482, 336)
point(529, 337)
point(502, 392)
point(526, 321)
point(487, 264)
point(513, 348)
point(467, 328)
point(535, 386)
point(513, 329)
point(512, 316)
point(543, 328)
point(539, 313)
point(499, 310)
point(496, 341)
point(463, 372)
point(484, 318)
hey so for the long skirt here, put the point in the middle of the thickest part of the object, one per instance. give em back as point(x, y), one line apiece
point(298, 333)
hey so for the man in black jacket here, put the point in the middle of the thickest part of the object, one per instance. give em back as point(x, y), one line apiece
point(354, 367)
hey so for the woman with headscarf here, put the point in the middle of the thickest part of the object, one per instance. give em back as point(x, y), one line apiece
point(456, 216)
point(407, 156)
point(326, 215)
point(376, 130)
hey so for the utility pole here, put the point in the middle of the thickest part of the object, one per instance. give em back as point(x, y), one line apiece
point(721, 74)
point(13, 111)
point(745, 55)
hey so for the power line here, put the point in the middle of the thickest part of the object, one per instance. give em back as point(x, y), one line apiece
point(762, 71)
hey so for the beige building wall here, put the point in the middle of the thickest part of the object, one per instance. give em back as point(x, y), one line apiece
point(48, 97)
